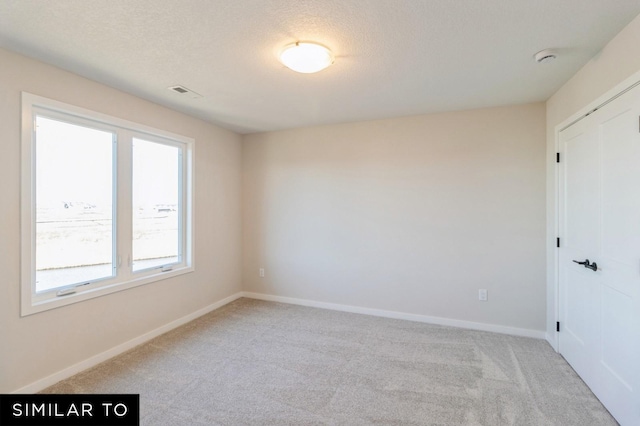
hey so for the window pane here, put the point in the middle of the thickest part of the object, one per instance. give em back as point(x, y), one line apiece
point(156, 204)
point(74, 194)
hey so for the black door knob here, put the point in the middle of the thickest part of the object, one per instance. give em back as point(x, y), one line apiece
point(593, 266)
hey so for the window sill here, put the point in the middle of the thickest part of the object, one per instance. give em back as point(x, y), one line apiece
point(29, 308)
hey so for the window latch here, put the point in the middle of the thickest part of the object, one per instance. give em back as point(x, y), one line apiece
point(65, 292)
point(69, 290)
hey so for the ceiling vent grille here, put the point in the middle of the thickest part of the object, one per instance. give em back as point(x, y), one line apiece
point(185, 92)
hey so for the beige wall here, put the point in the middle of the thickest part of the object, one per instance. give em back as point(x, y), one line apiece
point(619, 60)
point(39, 345)
point(412, 214)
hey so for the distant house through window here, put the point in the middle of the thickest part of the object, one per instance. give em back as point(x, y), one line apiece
point(106, 204)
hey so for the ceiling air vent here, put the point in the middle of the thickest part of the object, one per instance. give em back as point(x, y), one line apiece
point(185, 92)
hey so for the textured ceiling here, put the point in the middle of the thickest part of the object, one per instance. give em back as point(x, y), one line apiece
point(393, 57)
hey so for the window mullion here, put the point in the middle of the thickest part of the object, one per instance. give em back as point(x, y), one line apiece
point(124, 228)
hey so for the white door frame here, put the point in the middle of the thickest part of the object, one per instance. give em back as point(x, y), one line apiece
point(554, 267)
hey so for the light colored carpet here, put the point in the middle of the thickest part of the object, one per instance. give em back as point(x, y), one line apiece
point(262, 363)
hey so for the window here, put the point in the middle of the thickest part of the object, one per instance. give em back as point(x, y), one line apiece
point(106, 204)
point(157, 184)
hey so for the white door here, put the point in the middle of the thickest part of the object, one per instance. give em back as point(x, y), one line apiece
point(600, 221)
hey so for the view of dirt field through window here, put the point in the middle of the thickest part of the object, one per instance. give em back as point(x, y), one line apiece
point(74, 242)
point(75, 195)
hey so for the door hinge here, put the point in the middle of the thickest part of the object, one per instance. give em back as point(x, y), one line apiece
point(558, 242)
point(557, 157)
point(558, 326)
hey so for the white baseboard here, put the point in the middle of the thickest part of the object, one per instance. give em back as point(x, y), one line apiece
point(44, 383)
point(552, 339)
point(537, 334)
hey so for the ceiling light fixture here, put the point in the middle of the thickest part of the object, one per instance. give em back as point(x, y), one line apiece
point(306, 57)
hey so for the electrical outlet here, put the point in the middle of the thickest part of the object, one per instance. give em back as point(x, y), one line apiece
point(262, 272)
point(483, 295)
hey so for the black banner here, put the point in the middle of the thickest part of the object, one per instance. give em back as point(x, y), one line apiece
point(76, 409)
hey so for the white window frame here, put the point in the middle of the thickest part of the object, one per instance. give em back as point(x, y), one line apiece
point(125, 278)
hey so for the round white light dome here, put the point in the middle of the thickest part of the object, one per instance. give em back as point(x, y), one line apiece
point(306, 57)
